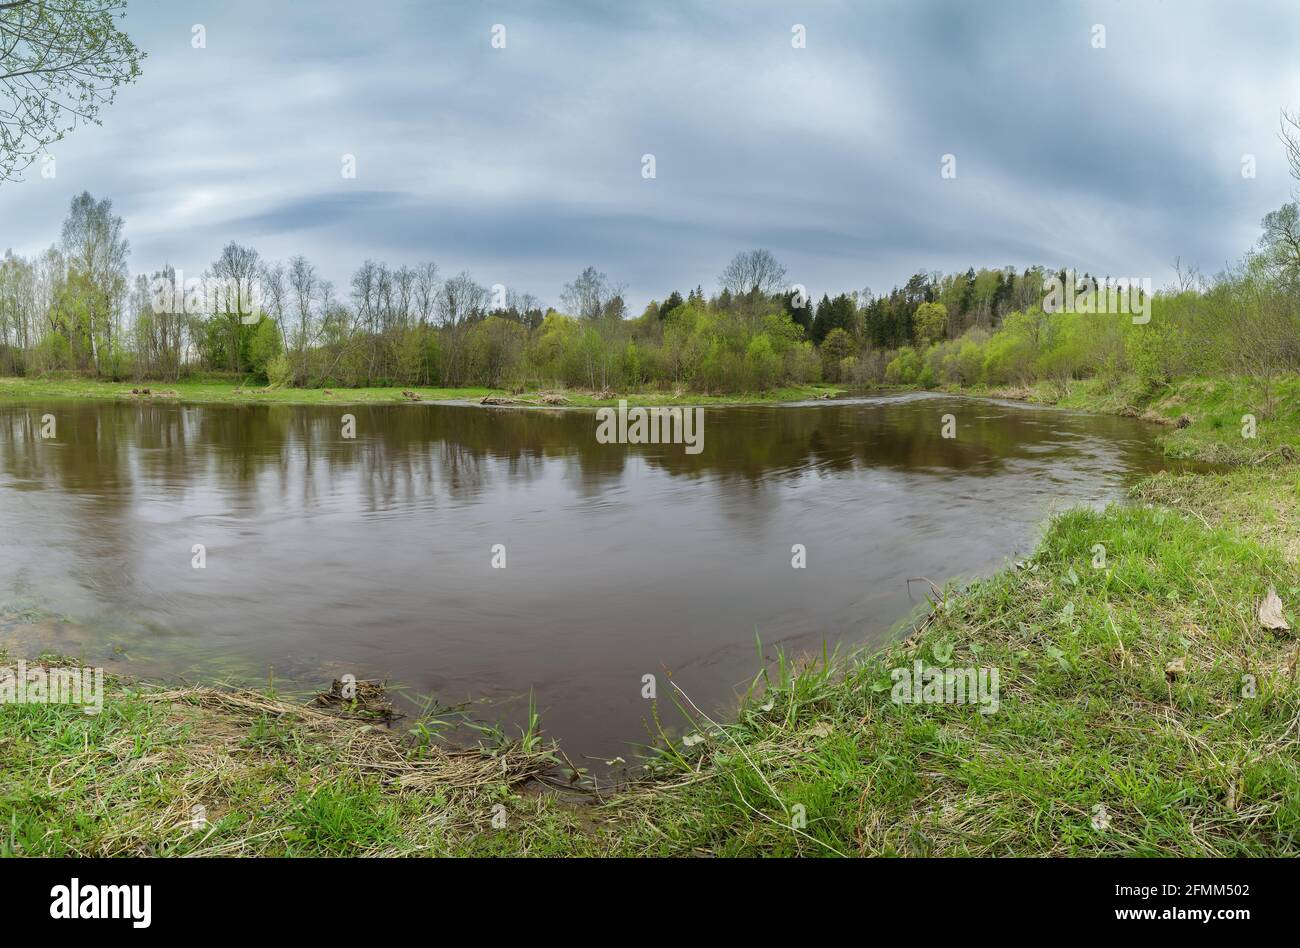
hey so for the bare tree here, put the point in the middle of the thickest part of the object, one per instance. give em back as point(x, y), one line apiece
point(520, 303)
point(426, 290)
point(61, 61)
point(459, 300)
point(403, 297)
point(159, 330)
point(17, 285)
point(753, 271)
point(590, 295)
point(275, 295)
point(1289, 133)
point(306, 289)
point(368, 290)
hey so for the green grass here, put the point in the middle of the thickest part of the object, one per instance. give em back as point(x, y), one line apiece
point(273, 779)
point(1261, 503)
point(229, 392)
point(220, 392)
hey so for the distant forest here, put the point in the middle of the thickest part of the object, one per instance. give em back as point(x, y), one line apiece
point(75, 308)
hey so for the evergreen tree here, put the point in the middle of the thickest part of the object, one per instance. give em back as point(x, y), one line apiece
point(674, 300)
point(800, 315)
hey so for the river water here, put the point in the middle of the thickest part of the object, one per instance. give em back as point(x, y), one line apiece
point(374, 555)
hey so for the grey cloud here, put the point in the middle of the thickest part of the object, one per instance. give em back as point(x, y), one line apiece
point(526, 161)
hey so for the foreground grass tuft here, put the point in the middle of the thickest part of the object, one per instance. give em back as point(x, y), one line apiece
point(211, 772)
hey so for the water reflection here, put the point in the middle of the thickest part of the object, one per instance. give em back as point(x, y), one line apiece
point(372, 555)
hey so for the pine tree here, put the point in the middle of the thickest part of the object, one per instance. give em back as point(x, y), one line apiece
point(673, 302)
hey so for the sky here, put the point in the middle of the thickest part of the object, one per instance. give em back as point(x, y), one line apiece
point(524, 164)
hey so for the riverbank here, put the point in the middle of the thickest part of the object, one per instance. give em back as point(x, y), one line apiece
point(1143, 709)
point(210, 392)
point(1223, 420)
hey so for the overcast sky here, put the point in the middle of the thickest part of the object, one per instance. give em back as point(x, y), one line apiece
point(524, 164)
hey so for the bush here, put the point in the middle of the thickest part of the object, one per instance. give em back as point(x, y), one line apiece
point(51, 354)
point(837, 348)
point(263, 346)
point(279, 372)
point(962, 360)
point(761, 363)
point(869, 368)
point(905, 367)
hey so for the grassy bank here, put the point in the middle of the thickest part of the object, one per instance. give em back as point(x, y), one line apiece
point(269, 776)
point(1144, 709)
point(1206, 417)
point(229, 392)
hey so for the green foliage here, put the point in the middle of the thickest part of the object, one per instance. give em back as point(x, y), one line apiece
point(836, 348)
point(839, 313)
point(263, 344)
point(961, 361)
point(495, 349)
point(905, 368)
point(930, 324)
point(62, 63)
point(279, 372)
point(52, 353)
point(1010, 354)
point(762, 365)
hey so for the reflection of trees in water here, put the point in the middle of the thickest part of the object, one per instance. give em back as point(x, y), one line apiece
point(106, 450)
point(405, 452)
point(90, 458)
point(760, 443)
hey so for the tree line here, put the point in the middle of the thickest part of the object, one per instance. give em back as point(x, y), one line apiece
point(76, 308)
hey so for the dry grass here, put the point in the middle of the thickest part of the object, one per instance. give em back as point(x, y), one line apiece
point(271, 777)
point(1261, 503)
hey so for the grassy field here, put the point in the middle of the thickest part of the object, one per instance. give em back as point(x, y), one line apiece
point(1144, 708)
point(228, 392)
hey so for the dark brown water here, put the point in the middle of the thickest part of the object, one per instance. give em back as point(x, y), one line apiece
point(374, 556)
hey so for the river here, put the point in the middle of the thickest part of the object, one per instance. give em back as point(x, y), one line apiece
point(325, 555)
